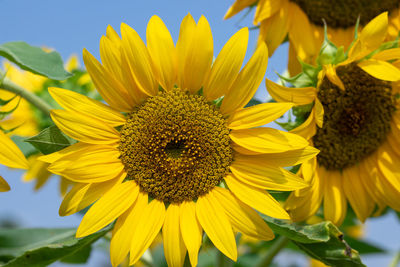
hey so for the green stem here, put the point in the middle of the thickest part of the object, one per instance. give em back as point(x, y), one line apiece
point(277, 246)
point(10, 86)
point(223, 261)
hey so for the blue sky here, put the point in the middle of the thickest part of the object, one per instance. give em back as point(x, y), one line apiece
point(70, 26)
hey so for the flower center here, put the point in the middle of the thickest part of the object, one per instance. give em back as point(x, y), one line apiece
point(344, 13)
point(356, 120)
point(176, 146)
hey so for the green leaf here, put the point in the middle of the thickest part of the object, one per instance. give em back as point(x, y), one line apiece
point(41, 247)
point(310, 70)
point(340, 55)
point(50, 140)
point(327, 53)
point(35, 60)
point(80, 256)
point(302, 233)
point(300, 80)
point(322, 241)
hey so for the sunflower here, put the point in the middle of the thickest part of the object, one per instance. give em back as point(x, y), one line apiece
point(10, 156)
point(168, 152)
point(355, 123)
point(303, 22)
point(26, 122)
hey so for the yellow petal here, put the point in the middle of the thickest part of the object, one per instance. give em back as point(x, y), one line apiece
point(116, 64)
point(257, 115)
point(391, 191)
point(87, 106)
point(122, 233)
point(112, 34)
point(227, 66)
point(265, 9)
point(330, 72)
point(294, 66)
point(388, 163)
point(335, 205)
point(393, 141)
point(138, 59)
point(274, 29)
point(247, 82)
point(308, 128)
point(146, 229)
point(243, 150)
point(10, 155)
point(108, 208)
point(238, 6)
point(300, 32)
point(109, 88)
point(243, 218)
point(195, 53)
point(309, 169)
point(304, 203)
point(174, 247)
point(370, 38)
point(394, 134)
point(191, 230)
point(4, 187)
point(389, 54)
point(82, 195)
point(162, 52)
point(380, 69)
point(265, 176)
point(372, 181)
point(267, 140)
point(216, 224)
point(256, 198)
point(50, 158)
point(298, 96)
point(94, 165)
point(356, 52)
point(110, 54)
point(284, 159)
point(357, 195)
point(319, 113)
point(183, 45)
point(84, 128)
point(121, 239)
point(374, 33)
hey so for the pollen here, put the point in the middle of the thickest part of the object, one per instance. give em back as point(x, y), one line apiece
point(344, 13)
point(356, 120)
point(176, 146)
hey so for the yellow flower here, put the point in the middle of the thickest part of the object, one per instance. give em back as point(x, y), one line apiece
point(303, 22)
point(164, 153)
point(355, 123)
point(25, 122)
point(11, 156)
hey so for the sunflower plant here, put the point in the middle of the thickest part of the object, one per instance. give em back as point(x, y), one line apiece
point(171, 161)
point(350, 104)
